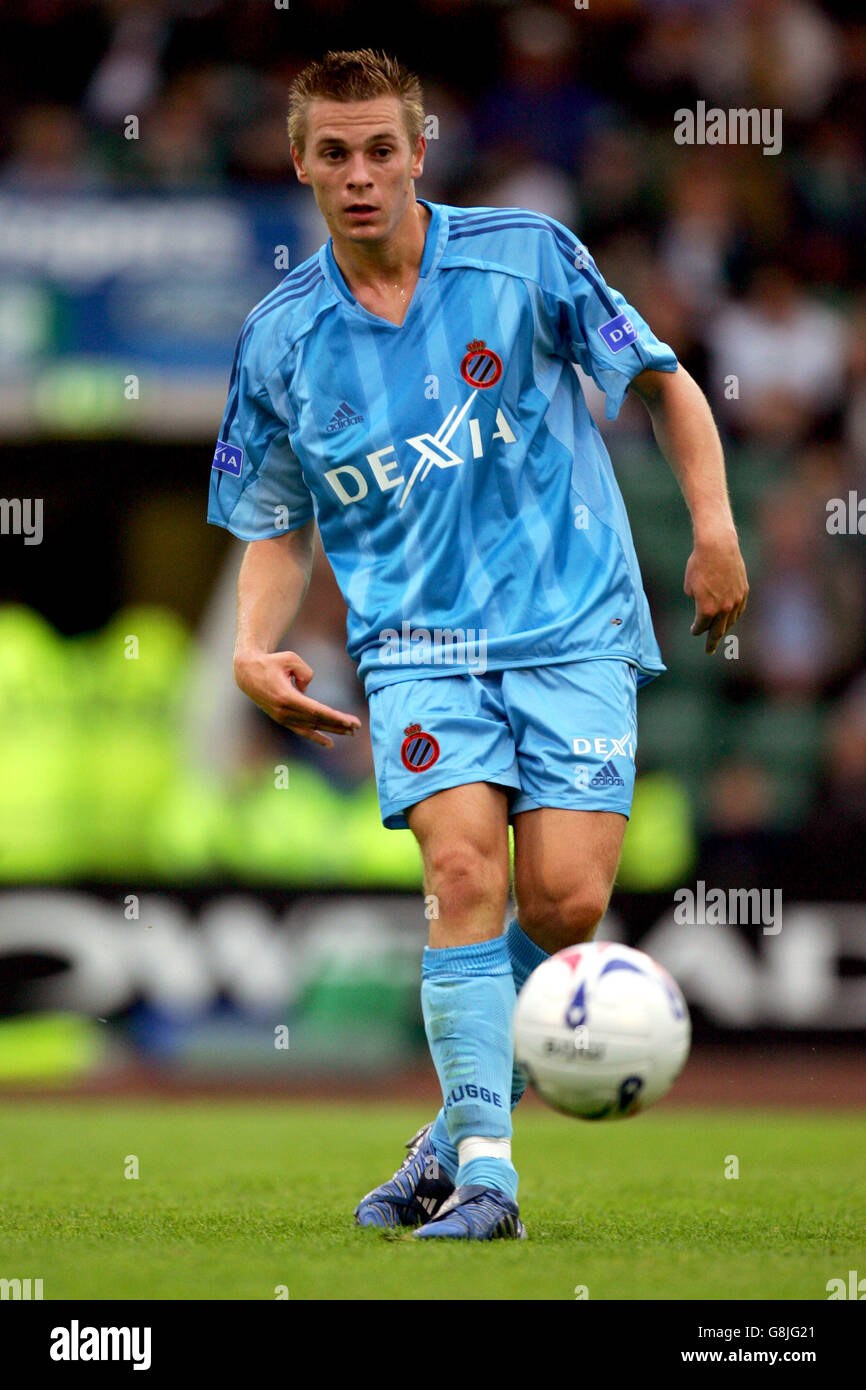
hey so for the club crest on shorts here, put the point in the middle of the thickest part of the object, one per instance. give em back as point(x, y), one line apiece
point(419, 750)
point(481, 367)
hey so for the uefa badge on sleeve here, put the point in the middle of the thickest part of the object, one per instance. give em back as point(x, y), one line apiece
point(419, 750)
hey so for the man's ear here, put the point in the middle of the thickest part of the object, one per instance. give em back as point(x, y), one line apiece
point(298, 161)
point(418, 157)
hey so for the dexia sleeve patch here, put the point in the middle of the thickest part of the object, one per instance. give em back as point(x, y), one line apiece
point(618, 332)
point(228, 458)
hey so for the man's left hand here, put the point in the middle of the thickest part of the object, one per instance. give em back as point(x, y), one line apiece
point(716, 580)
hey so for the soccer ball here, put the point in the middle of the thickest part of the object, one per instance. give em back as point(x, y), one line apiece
point(601, 1031)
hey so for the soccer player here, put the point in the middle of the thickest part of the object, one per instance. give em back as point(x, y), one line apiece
point(411, 389)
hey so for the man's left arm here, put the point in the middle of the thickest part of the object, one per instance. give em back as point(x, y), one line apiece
point(687, 436)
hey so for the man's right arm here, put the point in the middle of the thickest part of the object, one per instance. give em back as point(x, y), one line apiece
point(273, 580)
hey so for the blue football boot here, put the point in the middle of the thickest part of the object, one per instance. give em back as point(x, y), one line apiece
point(414, 1194)
point(473, 1212)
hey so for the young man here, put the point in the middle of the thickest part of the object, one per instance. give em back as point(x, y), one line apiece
point(411, 389)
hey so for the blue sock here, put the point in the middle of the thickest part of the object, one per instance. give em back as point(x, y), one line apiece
point(445, 1151)
point(525, 957)
point(467, 997)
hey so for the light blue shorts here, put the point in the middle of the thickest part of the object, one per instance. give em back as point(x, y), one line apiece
point(558, 735)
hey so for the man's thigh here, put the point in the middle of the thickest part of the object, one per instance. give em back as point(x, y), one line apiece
point(462, 833)
point(565, 865)
point(575, 733)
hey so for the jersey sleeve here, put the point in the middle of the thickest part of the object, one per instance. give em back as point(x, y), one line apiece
point(594, 325)
point(257, 487)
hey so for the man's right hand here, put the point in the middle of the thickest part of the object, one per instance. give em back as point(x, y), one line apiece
point(276, 682)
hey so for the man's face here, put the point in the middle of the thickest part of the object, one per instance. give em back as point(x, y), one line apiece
point(359, 164)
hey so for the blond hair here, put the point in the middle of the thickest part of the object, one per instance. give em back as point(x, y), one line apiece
point(356, 75)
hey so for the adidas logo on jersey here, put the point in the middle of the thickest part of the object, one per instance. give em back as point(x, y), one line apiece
point(607, 776)
point(342, 417)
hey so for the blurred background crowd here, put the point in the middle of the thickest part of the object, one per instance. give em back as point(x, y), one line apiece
point(752, 762)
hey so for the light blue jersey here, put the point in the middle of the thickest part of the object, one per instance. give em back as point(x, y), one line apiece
point(462, 491)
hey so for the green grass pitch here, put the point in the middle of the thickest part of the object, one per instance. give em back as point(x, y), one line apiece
point(235, 1199)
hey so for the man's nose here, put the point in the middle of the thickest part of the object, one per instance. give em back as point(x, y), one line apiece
point(357, 173)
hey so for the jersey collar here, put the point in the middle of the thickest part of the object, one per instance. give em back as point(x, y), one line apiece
point(435, 241)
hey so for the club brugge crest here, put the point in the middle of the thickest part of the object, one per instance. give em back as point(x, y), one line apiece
point(419, 750)
point(481, 367)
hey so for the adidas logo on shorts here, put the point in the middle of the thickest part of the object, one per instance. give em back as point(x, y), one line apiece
point(607, 776)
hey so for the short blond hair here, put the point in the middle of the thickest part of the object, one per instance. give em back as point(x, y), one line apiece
point(356, 75)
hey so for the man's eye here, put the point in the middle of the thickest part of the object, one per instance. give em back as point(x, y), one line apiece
point(384, 150)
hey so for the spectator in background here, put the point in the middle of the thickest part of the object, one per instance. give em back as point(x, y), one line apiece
point(257, 152)
point(787, 351)
point(176, 149)
point(806, 628)
point(834, 839)
point(700, 231)
point(854, 426)
point(847, 106)
point(739, 844)
point(795, 57)
point(830, 202)
point(616, 186)
point(51, 154)
point(538, 110)
point(665, 64)
point(451, 162)
point(514, 181)
point(127, 77)
point(531, 125)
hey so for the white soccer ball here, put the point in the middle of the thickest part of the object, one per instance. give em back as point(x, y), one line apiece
point(602, 1031)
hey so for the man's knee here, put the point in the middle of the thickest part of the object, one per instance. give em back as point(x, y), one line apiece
point(555, 920)
point(464, 876)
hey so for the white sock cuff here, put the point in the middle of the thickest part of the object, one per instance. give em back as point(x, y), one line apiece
point(478, 1146)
